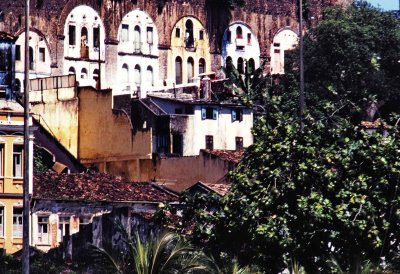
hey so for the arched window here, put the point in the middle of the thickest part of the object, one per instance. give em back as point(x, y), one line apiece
point(189, 38)
point(136, 39)
point(240, 65)
point(31, 58)
point(84, 43)
point(229, 61)
point(71, 70)
point(84, 73)
point(190, 69)
point(149, 76)
point(202, 65)
point(239, 33)
point(178, 70)
point(125, 73)
point(95, 74)
point(251, 66)
point(137, 76)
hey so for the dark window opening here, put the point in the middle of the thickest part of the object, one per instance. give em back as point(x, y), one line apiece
point(42, 54)
point(31, 63)
point(177, 32)
point(249, 38)
point(72, 35)
point(178, 70)
point(178, 111)
point(201, 35)
point(240, 67)
point(237, 115)
point(239, 143)
point(277, 44)
point(209, 142)
point(189, 39)
point(189, 110)
point(177, 144)
point(209, 113)
point(18, 52)
point(96, 37)
point(239, 33)
point(251, 65)
point(202, 66)
point(84, 45)
point(228, 36)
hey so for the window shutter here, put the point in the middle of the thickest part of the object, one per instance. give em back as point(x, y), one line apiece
point(233, 115)
point(215, 113)
point(203, 113)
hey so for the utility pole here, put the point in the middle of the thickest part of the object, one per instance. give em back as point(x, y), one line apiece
point(301, 99)
point(26, 203)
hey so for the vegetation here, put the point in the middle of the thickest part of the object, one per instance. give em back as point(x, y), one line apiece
point(330, 190)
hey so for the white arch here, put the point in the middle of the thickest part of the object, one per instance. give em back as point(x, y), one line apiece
point(284, 39)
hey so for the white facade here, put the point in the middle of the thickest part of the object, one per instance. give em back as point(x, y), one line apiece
point(228, 126)
point(138, 64)
point(240, 45)
point(84, 45)
point(285, 39)
point(39, 55)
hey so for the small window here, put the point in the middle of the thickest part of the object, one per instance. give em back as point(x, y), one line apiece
point(228, 36)
point(240, 65)
point(239, 33)
point(249, 38)
point(202, 66)
point(125, 73)
point(237, 115)
point(31, 59)
point(239, 143)
point(201, 35)
point(43, 229)
point(63, 228)
point(96, 37)
point(1, 221)
point(150, 35)
point(277, 45)
point(177, 32)
point(17, 161)
point(71, 71)
point(209, 113)
point(72, 35)
point(277, 50)
point(84, 73)
point(2, 159)
point(209, 142)
point(18, 52)
point(42, 54)
point(17, 222)
point(177, 144)
point(125, 33)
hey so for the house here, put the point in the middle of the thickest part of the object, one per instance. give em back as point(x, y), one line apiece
point(182, 125)
point(62, 204)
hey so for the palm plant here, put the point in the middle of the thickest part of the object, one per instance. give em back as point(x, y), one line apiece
point(167, 253)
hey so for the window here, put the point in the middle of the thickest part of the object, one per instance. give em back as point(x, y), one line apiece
point(84, 73)
point(2, 159)
point(136, 39)
point(43, 229)
point(71, 71)
point(177, 32)
point(239, 33)
point(189, 39)
point(96, 37)
point(209, 142)
point(209, 113)
point(125, 33)
point(18, 52)
point(251, 65)
point(17, 222)
point(190, 69)
point(31, 63)
point(125, 73)
point(63, 228)
point(201, 35)
point(237, 115)
point(17, 86)
point(240, 65)
point(149, 76)
point(42, 54)
point(202, 66)
point(137, 76)
point(249, 38)
point(178, 70)
point(239, 143)
point(228, 36)
point(150, 35)
point(72, 35)
point(17, 161)
point(177, 144)
point(1, 221)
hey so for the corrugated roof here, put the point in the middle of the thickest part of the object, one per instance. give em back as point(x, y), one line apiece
point(95, 187)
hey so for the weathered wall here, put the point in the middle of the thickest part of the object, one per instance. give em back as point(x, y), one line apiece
point(106, 135)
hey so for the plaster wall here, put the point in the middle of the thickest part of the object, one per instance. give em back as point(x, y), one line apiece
point(285, 39)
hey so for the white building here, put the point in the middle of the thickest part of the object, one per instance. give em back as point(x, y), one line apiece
point(240, 45)
point(84, 45)
point(284, 39)
point(138, 64)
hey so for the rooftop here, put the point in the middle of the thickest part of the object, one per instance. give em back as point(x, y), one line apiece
point(234, 156)
point(95, 187)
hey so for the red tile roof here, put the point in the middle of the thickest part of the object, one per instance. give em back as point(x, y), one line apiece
point(95, 187)
point(234, 156)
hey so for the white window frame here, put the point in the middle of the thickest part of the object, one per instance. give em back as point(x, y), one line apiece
point(18, 161)
point(17, 225)
point(2, 211)
point(43, 226)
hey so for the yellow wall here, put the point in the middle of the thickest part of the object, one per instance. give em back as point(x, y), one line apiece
point(10, 189)
point(105, 136)
point(178, 49)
